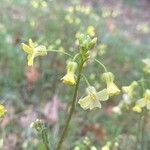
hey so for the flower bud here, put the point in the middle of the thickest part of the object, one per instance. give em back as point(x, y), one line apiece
point(2, 111)
point(93, 43)
point(129, 90)
point(69, 78)
point(112, 89)
point(86, 44)
point(38, 125)
point(137, 108)
point(145, 101)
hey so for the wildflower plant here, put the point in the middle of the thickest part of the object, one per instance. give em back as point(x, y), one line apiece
point(40, 128)
point(74, 74)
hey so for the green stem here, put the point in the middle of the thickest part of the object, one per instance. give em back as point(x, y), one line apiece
point(76, 56)
point(71, 109)
point(137, 134)
point(143, 119)
point(86, 80)
point(45, 139)
point(101, 64)
point(57, 51)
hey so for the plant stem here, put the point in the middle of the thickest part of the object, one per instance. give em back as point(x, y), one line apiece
point(100, 63)
point(45, 139)
point(57, 51)
point(71, 109)
point(143, 129)
point(137, 134)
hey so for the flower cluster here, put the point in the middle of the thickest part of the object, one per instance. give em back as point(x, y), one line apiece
point(93, 98)
point(38, 125)
point(85, 45)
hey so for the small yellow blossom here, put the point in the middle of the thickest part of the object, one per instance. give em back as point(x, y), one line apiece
point(69, 78)
point(112, 89)
point(106, 147)
point(91, 30)
point(137, 108)
point(129, 90)
point(33, 50)
point(2, 111)
point(146, 61)
point(93, 148)
point(93, 99)
point(145, 101)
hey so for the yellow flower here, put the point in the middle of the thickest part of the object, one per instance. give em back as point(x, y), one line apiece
point(112, 89)
point(145, 101)
point(2, 111)
point(93, 148)
point(91, 30)
point(33, 50)
point(147, 65)
point(137, 108)
point(106, 147)
point(69, 78)
point(129, 90)
point(93, 99)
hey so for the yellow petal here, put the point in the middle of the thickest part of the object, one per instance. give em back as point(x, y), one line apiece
point(146, 61)
point(31, 44)
point(137, 108)
point(69, 79)
point(106, 147)
point(85, 102)
point(27, 48)
point(30, 60)
point(2, 111)
point(148, 106)
point(103, 95)
point(112, 89)
point(141, 102)
point(95, 104)
point(88, 103)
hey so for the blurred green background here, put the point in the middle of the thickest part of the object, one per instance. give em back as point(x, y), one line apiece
point(123, 31)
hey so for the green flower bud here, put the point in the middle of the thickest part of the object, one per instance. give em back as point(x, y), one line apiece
point(93, 42)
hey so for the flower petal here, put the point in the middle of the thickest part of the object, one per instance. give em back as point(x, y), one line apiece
point(103, 95)
point(30, 60)
point(2, 111)
point(112, 89)
point(141, 102)
point(27, 48)
point(85, 102)
point(137, 108)
point(88, 103)
point(94, 104)
point(148, 106)
point(69, 79)
point(31, 44)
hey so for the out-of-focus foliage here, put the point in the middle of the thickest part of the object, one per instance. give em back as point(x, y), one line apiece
point(123, 31)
